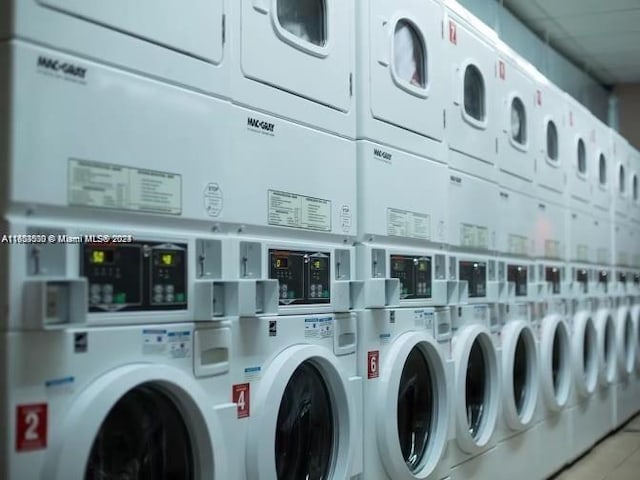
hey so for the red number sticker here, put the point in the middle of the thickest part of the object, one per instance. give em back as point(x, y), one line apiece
point(453, 34)
point(31, 427)
point(502, 69)
point(539, 97)
point(373, 359)
point(571, 119)
point(241, 397)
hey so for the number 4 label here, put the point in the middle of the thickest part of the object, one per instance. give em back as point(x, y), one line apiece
point(241, 397)
point(373, 359)
point(31, 427)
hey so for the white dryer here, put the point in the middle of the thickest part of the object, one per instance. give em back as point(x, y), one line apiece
point(550, 130)
point(150, 401)
point(472, 123)
point(404, 357)
point(608, 173)
point(585, 364)
point(295, 60)
point(141, 36)
point(477, 392)
point(299, 396)
point(556, 384)
point(401, 148)
point(516, 434)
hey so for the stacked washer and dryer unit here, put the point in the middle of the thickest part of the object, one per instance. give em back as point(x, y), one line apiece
point(110, 119)
point(424, 267)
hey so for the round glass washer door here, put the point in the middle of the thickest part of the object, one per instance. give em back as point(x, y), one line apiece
point(302, 418)
point(625, 341)
point(476, 387)
point(143, 437)
point(555, 362)
point(585, 354)
point(412, 384)
point(606, 347)
point(520, 374)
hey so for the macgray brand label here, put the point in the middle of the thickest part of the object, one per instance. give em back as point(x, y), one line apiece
point(261, 126)
point(64, 70)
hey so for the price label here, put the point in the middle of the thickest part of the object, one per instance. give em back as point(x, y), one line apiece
point(453, 34)
point(31, 427)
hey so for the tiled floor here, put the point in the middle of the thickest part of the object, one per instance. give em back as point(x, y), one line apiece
point(615, 458)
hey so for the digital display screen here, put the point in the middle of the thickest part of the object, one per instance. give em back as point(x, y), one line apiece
point(167, 259)
point(101, 257)
point(282, 262)
point(317, 264)
point(398, 266)
point(422, 266)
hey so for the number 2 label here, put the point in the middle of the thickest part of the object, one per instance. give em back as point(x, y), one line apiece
point(31, 427)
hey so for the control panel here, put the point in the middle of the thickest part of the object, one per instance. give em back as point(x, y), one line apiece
point(304, 277)
point(475, 274)
point(603, 279)
point(517, 274)
point(552, 276)
point(414, 274)
point(636, 279)
point(622, 278)
point(582, 277)
point(138, 276)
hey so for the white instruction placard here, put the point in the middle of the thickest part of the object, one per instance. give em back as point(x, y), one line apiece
point(318, 327)
point(474, 236)
point(298, 211)
point(401, 223)
point(104, 185)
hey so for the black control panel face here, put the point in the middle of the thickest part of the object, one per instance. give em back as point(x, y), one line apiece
point(518, 274)
point(603, 279)
point(582, 277)
point(414, 274)
point(552, 276)
point(475, 274)
point(622, 277)
point(636, 279)
point(139, 276)
point(304, 277)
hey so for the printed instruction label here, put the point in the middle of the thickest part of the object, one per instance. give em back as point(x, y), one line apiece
point(552, 249)
point(582, 253)
point(603, 255)
point(252, 373)
point(298, 211)
point(622, 258)
point(518, 245)
point(402, 223)
point(154, 342)
point(474, 236)
point(179, 344)
point(318, 327)
point(104, 185)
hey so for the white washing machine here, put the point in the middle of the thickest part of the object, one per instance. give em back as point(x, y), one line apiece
point(516, 434)
point(603, 315)
point(404, 358)
point(150, 401)
point(626, 403)
point(584, 362)
point(299, 396)
point(477, 391)
point(556, 384)
point(472, 126)
point(295, 60)
point(143, 37)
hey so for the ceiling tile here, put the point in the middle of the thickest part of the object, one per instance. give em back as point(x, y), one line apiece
point(525, 9)
point(602, 23)
point(556, 8)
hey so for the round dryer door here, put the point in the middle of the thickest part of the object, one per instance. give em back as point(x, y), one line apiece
point(585, 354)
point(301, 424)
point(476, 387)
point(140, 421)
point(414, 386)
point(555, 362)
point(635, 315)
point(519, 374)
point(625, 341)
point(606, 347)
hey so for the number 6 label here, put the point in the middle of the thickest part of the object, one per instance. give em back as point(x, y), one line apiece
point(372, 361)
point(31, 427)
